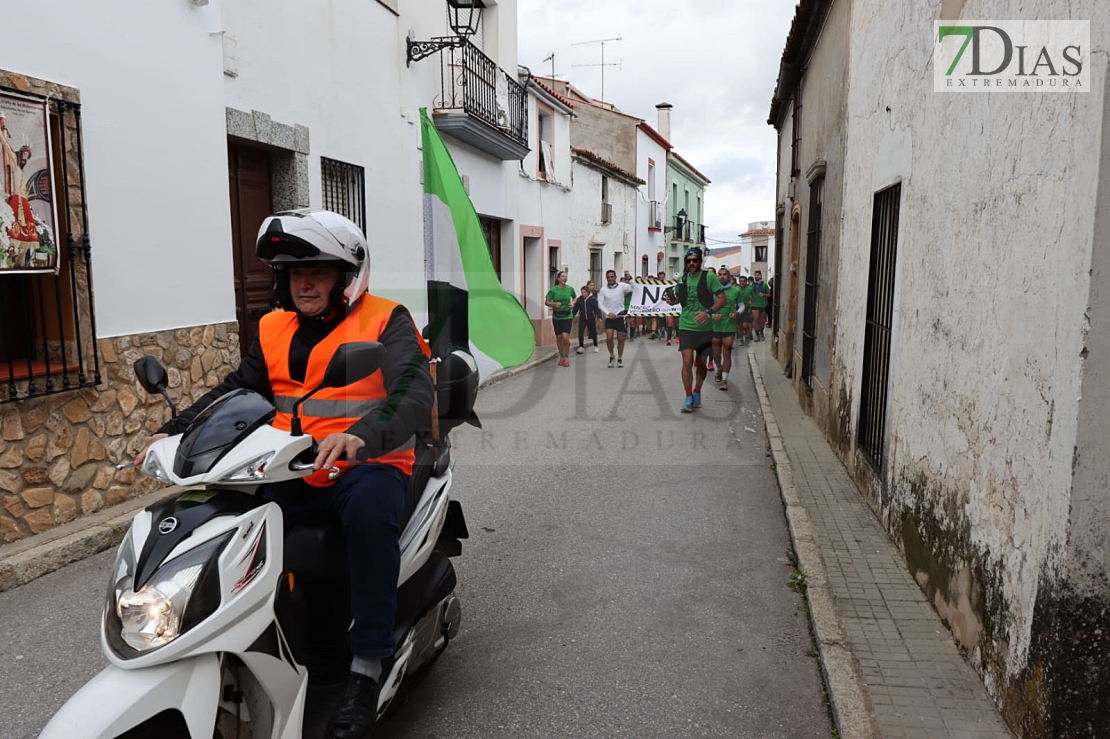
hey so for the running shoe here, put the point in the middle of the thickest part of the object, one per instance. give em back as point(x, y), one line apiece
point(717, 376)
point(610, 363)
point(723, 385)
point(579, 350)
point(697, 398)
point(668, 342)
point(688, 406)
point(620, 362)
point(595, 350)
point(709, 365)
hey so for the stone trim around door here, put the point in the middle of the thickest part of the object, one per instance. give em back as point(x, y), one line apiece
point(289, 163)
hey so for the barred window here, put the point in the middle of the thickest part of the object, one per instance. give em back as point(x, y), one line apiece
point(344, 188)
point(48, 331)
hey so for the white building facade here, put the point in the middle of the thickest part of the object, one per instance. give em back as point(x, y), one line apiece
point(971, 407)
point(651, 167)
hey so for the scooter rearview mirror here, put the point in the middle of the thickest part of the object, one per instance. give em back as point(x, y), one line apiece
point(152, 376)
point(353, 362)
point(350, 363)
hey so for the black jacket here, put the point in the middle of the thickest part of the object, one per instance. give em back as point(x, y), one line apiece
point(408, 407)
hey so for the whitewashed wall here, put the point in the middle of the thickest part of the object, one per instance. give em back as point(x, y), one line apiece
point(616, 238)
point(649, 242)
point(992, 281)
point(155, 153)
point(544, 203)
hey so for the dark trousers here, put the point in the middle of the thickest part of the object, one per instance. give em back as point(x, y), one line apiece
point(583, 324)
point(368, 500)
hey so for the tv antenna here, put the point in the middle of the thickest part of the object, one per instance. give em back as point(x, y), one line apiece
point(603, 65)
point(552, 60)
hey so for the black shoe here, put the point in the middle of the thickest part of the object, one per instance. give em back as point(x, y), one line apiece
point(358, 711)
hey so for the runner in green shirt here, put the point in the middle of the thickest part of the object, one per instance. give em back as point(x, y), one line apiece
point(746, 315)
point(724, 328)
point(700, 294)
point(561, 299)
point(760, 291)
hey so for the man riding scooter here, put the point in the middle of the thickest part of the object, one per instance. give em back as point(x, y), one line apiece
point(321, 270)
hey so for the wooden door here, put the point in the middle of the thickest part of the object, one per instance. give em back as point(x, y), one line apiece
point(251, 202)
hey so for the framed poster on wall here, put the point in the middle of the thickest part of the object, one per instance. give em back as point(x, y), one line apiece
point(28, 207)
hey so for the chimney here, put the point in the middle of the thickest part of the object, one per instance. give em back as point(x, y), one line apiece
point(664, 126)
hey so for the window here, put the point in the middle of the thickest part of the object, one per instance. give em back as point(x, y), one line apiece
point(796, 133)
point(651, 179)
point(877, 329)
point(606, 206)
point(48, 333)
point(595, 267)
point(546, 154)
point(344, 188)
point(760, 252)
point(491, 227)
point(775, 312)
point(553, 263)
point(813, 258)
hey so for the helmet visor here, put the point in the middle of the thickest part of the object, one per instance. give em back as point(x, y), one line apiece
point(271, 246)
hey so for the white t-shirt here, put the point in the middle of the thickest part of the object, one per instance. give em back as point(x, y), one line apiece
point(611, 299)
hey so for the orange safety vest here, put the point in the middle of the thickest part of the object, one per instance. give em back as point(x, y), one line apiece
point(331, 410)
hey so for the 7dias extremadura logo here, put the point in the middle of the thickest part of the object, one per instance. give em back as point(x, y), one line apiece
point(1011, 56)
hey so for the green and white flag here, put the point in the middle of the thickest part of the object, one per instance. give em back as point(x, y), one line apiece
point(467, 306)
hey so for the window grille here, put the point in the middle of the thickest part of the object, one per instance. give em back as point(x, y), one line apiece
point(813, 257)
point(778, 270)
point(48, 331)
point(880, 314)
point(796, 131)
point(344, 188)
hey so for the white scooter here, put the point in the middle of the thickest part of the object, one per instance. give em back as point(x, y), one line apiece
point(217, 618)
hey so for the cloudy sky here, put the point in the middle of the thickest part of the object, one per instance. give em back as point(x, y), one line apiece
point(715, 62)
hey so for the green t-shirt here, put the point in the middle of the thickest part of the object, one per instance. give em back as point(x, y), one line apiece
point(686, 321)
point(746, 301)
point(627, 301)
point(723, 321)
point(759, 294)
point(566, 296)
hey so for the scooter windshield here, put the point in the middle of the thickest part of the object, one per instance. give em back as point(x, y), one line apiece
point(218, 428)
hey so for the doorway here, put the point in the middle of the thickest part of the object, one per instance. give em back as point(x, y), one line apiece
point(251, 202)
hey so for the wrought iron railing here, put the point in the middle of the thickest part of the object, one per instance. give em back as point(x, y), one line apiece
point(472, 82)
point(48, 330)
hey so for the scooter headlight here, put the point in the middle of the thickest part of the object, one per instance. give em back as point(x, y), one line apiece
point(181, 593)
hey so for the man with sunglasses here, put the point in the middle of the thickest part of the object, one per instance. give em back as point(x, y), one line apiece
point(700, 294)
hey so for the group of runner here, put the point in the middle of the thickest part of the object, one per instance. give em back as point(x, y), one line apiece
point(716, 311)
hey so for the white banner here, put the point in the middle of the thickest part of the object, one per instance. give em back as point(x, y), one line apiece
point(647, 298)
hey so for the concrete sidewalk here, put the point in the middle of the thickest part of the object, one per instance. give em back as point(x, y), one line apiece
point(34, 556)
point(891, 667)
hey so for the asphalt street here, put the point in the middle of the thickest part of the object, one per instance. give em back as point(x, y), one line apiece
point(626, 574)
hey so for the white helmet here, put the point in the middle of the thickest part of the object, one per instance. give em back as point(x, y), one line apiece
point(295, 237)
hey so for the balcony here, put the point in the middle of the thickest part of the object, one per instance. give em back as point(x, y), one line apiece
point(481, 104)
point(655, 215)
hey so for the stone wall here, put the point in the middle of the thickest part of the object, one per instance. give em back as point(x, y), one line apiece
point(58, 453)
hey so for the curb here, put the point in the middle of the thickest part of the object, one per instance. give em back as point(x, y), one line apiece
point(541, 355)
point(27, 559)
point(23, 561)
point(848, 699)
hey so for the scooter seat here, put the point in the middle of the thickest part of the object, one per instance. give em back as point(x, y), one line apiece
point(314, 546)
